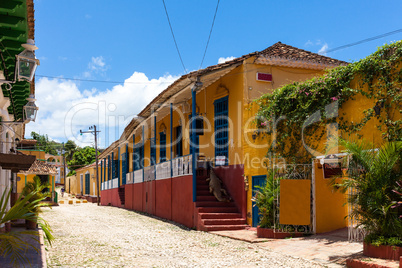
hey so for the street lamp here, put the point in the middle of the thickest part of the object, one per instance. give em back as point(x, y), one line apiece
point(26, 62)
point(30, 109)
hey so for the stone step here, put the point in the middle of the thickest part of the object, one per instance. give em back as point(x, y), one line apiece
point(203, 192)
point(206, 198)
point(217, 210)
point(236, 221)
point(211, 228)
point(220, 215)
point(214, 204)
point(202, 187)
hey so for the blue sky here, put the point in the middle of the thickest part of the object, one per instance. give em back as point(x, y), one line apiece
point(130, 40)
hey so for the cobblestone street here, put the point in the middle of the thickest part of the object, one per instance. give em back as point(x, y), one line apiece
point(90, 236)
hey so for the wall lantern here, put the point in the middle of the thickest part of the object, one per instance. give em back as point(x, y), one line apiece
point(26, 62)
point(30, 109)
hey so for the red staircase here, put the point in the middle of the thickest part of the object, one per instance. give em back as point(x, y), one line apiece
point(212, 214)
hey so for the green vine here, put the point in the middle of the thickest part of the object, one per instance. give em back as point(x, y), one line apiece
point(377, 77)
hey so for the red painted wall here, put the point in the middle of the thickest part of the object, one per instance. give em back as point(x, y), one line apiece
point(114, 197)
point(163, 191)
point(129, 190)
point(137, 198)
point(234, 183)
point(182, 200)
point(149, 197)
point(170, 199)
point(111, 197)
point(105, 197)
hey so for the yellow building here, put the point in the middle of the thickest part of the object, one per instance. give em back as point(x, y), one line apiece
point(44, 171)
point(298, 121)
point(45, 167)
point(85, 183)
point(158, 165)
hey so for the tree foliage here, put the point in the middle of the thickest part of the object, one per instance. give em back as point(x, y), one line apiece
point(45, 144)
point(82, 157)
point(374, 177)
point(299, 111)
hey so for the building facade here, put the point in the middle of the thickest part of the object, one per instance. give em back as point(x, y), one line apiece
point(158, 165)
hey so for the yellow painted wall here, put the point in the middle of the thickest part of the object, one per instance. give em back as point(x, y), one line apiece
point(40, 155)
point(255, 151)
point(92, 178)
point(330, 208)
point(73, 185)
point(29, 178)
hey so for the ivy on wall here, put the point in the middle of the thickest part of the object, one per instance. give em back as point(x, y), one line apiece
point(304, 106)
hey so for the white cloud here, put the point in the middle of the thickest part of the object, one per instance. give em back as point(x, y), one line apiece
point(308, 43)
point(64, 109)
point(323, 49)
point(222, 59)
point(97, 63)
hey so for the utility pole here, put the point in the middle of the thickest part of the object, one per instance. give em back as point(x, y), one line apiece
point(64, 168)
point(94, 131)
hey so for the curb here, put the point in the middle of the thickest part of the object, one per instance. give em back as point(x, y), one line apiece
point(42, 249)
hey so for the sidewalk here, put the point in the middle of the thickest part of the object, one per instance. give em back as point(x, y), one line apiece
point(330, 249)
point(36, 259)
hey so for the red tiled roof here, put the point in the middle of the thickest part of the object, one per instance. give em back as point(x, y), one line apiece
point(41, 168)
point(293, 53)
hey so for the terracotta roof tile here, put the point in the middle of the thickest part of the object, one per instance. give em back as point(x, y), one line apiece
point(293, 53)
point(40, 167)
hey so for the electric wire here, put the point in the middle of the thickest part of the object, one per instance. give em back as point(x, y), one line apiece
point(174, 38)
point(99, 81)
point(210, 33)
point(362, 41)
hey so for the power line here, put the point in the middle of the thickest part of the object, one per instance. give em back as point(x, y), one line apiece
point(98, 81)
point(210, 32)
point(363, 41)
point(174, 39)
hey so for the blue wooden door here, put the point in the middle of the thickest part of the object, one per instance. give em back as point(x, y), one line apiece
point(123, 167)
point(257, 181)
point(179, 143)
point(87, 183)
point(153, 151)
point(162, 147)
point(221, 109)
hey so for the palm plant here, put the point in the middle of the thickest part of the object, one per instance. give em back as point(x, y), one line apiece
point(373, 174)
point(13, 244)
point(40, 192)
point(264, 199)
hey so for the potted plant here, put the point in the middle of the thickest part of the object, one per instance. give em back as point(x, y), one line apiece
point(375, 175)
point(264, 199)
point(40, 193)
point(12, 243)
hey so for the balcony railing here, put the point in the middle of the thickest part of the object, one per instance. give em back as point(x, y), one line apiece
point(182, 165)
point(130, 178)
point(163, 170)
point(115, 183)
point(149, 173)
point(179, 166)
point(138, 176)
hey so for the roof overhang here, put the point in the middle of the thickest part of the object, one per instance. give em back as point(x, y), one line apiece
point(292, 63)
point(16, 162)
point(178, 92)
point(16, 26)
point(40, 168)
